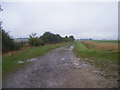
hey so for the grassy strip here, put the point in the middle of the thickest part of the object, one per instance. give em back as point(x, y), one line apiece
point(102, 59)
point(10, 62)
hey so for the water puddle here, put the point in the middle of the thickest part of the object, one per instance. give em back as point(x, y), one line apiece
point(71, 47)
point(75, 63)
point(30, 60)
point(20, 62)
point(62, 58)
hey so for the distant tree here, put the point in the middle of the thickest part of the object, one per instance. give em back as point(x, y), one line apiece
point(51, 38)
point(71, 38)
point(58, 38)
point(47, 37)
point(90, 39)
point(66, 39)
point(35, 41)
point(7, 43)
point(33, 35)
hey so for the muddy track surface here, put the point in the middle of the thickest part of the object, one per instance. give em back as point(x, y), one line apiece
point(58, 69)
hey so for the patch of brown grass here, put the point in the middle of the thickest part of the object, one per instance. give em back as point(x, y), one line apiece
point(16, 51)
point(113, 47)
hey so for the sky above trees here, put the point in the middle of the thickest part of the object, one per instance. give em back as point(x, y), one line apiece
point(80, 19)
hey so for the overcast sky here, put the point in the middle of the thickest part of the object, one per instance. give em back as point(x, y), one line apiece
point(80, 19)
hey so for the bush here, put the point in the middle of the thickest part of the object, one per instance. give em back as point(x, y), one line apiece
point(35, 41)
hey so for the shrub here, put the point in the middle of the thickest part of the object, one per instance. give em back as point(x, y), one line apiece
point(35, 41)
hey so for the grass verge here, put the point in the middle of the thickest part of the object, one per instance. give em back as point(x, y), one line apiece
point(101, 58)
point(9, 63)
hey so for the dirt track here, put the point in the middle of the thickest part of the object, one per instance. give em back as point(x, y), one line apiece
point(58, 69)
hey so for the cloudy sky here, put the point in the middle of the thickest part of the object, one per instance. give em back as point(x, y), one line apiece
point(97, 20)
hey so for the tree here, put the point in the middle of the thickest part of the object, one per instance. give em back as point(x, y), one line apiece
point(32, 35)
point(7, 43)
point(51, 38)
point(58, 38)
point(71, 38)
point(66, 39)
point(35, 41)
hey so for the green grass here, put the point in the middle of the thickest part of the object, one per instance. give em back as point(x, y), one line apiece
point(100, 58)
point(10, 62)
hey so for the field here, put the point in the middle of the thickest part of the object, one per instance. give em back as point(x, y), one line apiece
point(10, 64)
point(110, 46)
point(107, 41)
point(102, 54)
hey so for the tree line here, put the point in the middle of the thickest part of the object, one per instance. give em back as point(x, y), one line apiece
point(47, 38)
point(8, 44)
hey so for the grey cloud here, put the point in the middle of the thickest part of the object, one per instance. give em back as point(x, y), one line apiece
point(94, 20)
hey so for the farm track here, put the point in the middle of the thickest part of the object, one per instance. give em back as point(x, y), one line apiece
point(58, 69)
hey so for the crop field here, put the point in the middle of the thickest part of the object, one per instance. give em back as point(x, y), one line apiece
point(102, 54)
point(111, 46)
point(107, 41)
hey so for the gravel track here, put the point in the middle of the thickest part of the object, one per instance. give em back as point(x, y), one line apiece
point(58, 69)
